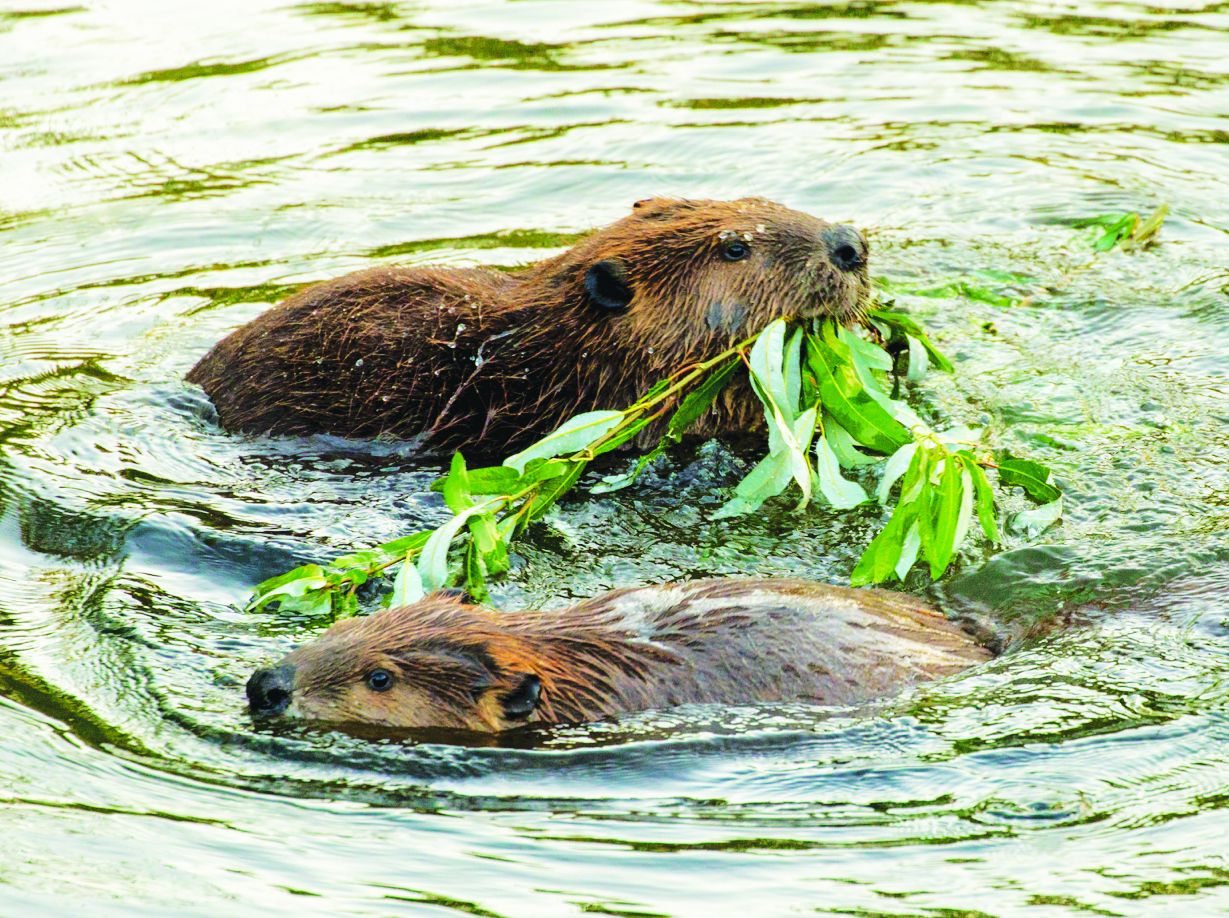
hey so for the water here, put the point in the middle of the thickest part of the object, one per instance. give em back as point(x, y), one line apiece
point(168, 171)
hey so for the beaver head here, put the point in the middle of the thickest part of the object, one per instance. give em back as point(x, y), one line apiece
point(438, 663)
point(681, 280)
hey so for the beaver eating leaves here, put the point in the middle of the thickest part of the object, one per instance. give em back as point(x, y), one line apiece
point(493, 360)
point(445, 663)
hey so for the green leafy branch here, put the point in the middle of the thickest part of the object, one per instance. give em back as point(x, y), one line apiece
point(824, 392)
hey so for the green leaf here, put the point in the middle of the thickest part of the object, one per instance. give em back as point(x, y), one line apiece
point(918, 364)
point(539, 470)
point(985, 495)
point(776, 378)
point(611, 483)
point(488, 543)
point(841, 493)
point(898, 463)
point(878, 562)
point(925, 494)
point(906, 325)
point(345, 605)
point(1038, 519)
point(305, 589)
point(844, 446)
point(354, 577)
point(475, 580)
point(288, 587)
point(311, 603)
point(558, 486)
point(770, 477)
point(299, 595)
point(700, 398)
point(917, 475)
point(482, 528)
point(407, 587)
point(657, 389)
point(1032, 476)
point(870, 353)
point(1145, 232)
point(364, 560)
point(1117, 231)
point(573, 436)
point(908, 551)
point(965, 514)
point(381, 554)
point(846, 399)
point(497, 479)
point(767, 363)
point(863, 367)
point(943, 509)
point(433, 563)
point(621, 436)
point(789, 441)
point(791, 368)
point(799, 441)
point(860, 351)
point(455, 487)
point(405, 545)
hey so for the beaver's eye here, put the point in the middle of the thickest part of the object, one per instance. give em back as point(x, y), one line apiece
point(379, 680)
point(735, 251)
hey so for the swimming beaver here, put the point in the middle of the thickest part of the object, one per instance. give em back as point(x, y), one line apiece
point(469, 357)
point(445, 663)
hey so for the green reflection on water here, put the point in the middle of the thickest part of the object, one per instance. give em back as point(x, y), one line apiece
point(39, 14)
point(199, 70)
point(379, 12)
point(511, 239)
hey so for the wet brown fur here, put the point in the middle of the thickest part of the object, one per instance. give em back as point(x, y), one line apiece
point(478, 357)
point(716, 641)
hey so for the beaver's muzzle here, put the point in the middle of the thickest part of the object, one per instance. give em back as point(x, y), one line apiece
point(847, 248)
point(270, 689)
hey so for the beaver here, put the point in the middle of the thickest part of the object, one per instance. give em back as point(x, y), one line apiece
point(476, 357)
point(444, 662)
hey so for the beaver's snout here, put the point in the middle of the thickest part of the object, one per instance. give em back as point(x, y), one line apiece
point(270, 689)
point(847, 248)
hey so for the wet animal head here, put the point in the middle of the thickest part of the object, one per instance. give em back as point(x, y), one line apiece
point(437, 663)
point(681, 280)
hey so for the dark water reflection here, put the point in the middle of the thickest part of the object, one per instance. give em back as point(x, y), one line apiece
point(167, 172)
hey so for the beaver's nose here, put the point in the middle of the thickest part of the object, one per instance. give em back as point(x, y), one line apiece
point(269, 689)
point(847, 247)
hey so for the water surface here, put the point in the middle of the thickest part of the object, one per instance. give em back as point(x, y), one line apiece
point(168, 172)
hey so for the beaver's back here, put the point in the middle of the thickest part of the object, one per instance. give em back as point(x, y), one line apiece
point(730, 641)
point(375, 353)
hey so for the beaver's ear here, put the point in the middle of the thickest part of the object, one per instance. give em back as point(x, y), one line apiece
point(521, 696)
point(607, 286)
point(460, 594)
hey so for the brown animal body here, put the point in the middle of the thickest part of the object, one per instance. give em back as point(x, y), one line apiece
point(444, 663)
point(455, 357)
